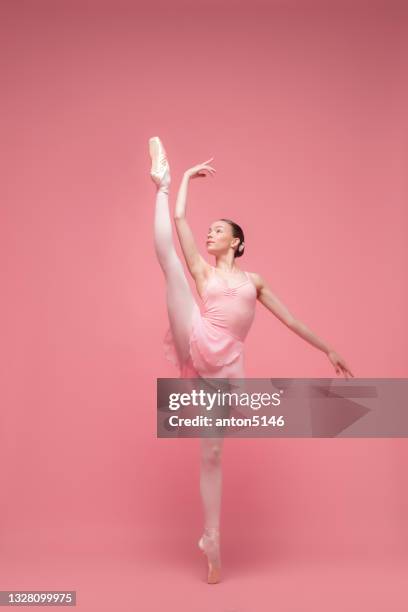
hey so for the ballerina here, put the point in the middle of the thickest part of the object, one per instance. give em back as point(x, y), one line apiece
point(211, 344)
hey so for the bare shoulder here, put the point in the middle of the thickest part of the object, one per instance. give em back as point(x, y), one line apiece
point(257, 280)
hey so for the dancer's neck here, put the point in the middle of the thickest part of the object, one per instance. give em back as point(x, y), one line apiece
point(227, 268)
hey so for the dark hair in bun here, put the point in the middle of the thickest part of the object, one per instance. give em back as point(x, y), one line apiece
point(237, 233)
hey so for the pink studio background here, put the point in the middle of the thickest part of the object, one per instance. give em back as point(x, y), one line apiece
point(303, 106)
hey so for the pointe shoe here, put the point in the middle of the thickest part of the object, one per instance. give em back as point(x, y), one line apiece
point(160, 163)
point(209, 544)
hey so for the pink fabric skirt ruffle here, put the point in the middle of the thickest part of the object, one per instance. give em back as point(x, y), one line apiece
point(214, 353)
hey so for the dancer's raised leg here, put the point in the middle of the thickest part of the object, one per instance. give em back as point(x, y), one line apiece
point(179, 297)
point(180, 306)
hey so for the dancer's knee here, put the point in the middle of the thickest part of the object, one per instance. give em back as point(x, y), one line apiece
point(211, 455)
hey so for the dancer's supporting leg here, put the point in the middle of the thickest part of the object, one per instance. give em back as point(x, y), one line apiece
point(211, 489)
point(211, 480)
point(180, 300)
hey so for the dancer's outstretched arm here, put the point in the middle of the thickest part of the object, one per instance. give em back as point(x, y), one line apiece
point(194, 260)
point(272, 302)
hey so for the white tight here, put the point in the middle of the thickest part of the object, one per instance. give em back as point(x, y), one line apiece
point(180, 304)
point(180, 300)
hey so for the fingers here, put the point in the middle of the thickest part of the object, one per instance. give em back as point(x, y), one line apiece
point(343, 369)
point(208, 169)
point(206, 165)
point(346, 369)
point(347, 373)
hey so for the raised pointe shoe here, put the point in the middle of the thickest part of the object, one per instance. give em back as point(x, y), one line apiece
point(160, 163)
point(209, 544)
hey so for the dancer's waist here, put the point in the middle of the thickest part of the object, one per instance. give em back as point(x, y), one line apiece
point(225, 327)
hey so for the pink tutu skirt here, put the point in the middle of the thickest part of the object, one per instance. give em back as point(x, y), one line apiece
point(214, 353)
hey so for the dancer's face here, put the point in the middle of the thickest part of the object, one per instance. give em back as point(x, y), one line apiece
point(220, 238)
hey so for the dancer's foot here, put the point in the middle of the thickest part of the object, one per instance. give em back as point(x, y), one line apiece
point(160, 169)
point(209, 543)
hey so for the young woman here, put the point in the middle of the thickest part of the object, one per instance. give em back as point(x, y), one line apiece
point(211, 344)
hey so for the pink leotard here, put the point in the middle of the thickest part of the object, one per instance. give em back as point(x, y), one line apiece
point(218, 334)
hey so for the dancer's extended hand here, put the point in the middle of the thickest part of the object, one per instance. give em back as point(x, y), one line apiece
point(200, 170)
point(339, 364)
